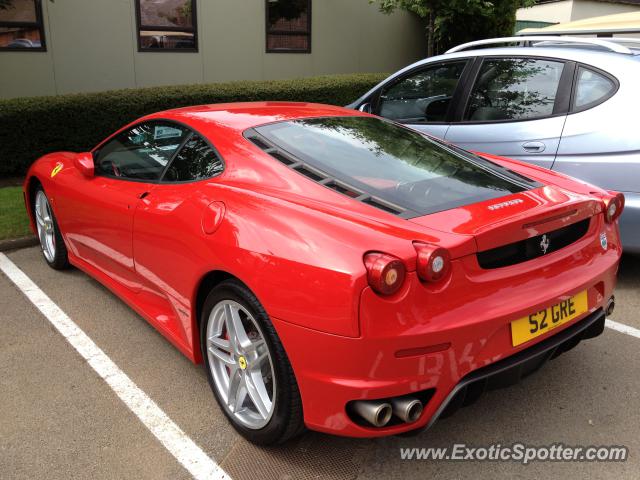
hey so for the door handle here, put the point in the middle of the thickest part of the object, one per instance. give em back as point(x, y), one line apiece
point(534, 147)
point(143, 195)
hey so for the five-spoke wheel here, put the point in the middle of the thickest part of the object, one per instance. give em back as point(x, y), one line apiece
point(247, 367)
point(51, 242)
point(240, 363)
point(44, 224)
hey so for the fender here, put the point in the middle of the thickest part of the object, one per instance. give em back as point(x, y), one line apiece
point(48, 170)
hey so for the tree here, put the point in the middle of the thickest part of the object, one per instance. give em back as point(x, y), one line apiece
point(456, 27)
point(455, 21)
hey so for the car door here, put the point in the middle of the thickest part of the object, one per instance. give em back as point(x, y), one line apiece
point(170, 225)
point(100, 214)
point(423, 98)
point(516, 107)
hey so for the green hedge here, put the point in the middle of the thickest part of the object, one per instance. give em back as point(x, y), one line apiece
point(31, 127)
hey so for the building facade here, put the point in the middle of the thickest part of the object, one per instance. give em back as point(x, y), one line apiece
point(549, 12)
point(50, 47)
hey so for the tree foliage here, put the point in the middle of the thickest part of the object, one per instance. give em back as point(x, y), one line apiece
point(452, 22)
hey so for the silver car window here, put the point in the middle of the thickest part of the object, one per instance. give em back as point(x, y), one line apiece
point(423, 96)
point(514, 89)
point(591, 87)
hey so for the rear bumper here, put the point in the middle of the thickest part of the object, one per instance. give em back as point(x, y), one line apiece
point(333, 371)
point(630, 223)
point(424, 339)
point(511, 370)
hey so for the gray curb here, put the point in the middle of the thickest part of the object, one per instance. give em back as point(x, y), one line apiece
point(16, 243)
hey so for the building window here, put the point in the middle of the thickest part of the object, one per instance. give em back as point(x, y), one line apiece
point(21, 25)
point(288, 26)
point(167, 25)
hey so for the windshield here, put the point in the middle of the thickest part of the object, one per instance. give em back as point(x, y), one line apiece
point(393, 163)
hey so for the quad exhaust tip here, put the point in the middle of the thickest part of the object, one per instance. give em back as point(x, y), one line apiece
point(407, 409)
point(377, 413)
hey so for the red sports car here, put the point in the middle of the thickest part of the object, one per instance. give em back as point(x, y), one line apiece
point(332, 269)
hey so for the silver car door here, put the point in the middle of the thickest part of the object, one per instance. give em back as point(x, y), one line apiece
point(423, 98)
point(516, 108)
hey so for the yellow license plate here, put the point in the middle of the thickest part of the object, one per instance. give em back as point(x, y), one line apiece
point(541, 322)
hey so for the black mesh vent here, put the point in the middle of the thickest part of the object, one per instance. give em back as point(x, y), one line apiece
point(282, 158)
point(309, 173)
point(343, 189)
point(382, 206)
point(533, 247)
point(259, 143)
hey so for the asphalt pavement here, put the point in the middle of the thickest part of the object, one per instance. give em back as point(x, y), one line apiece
point(59, 419)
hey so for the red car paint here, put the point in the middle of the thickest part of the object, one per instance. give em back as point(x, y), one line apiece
point(299, 247)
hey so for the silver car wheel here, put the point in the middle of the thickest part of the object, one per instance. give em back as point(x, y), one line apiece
point(241, 365)
point(45, 226)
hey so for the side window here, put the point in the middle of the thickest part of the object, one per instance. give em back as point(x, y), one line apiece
point(195, 161)
point(21, 26)
point(424, 96)
point(288, 26)
point(514, 89)
point(140, 153)
point(591, 87)
point(167, 25)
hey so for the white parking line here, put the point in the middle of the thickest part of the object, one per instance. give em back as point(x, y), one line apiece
point(622, 328)
point(185, 451)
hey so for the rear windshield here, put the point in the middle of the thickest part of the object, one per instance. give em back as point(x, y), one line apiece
point(396, 164)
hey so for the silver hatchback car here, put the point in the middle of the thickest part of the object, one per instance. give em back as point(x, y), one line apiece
point(568, 104)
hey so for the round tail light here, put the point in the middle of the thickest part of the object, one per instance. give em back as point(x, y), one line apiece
point(613, 207)
point(433, 263)
point(385, 273)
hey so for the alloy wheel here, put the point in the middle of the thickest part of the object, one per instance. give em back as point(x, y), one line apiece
point(45, 226)
point(241, 364)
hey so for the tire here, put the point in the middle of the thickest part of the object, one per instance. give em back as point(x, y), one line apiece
point(282, 418)
point(51, 243)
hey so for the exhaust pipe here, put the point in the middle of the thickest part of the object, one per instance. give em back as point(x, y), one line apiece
point(611, 305)
point(376, 413)
point(407, 409)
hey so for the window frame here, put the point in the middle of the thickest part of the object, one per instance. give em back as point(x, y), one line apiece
point(194, 29)
point(38, 24)
point(160, 180)
point(561, 103)
point(574, 88)
point(287, 32)
point(456, 97)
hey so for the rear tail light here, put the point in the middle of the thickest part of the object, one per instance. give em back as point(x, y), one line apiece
point(613, 207)
point(385, 273)
point(433, 262)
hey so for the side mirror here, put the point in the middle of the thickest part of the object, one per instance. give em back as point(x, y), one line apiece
point(365, 107)
point(84, 163)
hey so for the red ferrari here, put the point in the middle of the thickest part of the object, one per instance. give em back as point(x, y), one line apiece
point(332, 269)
